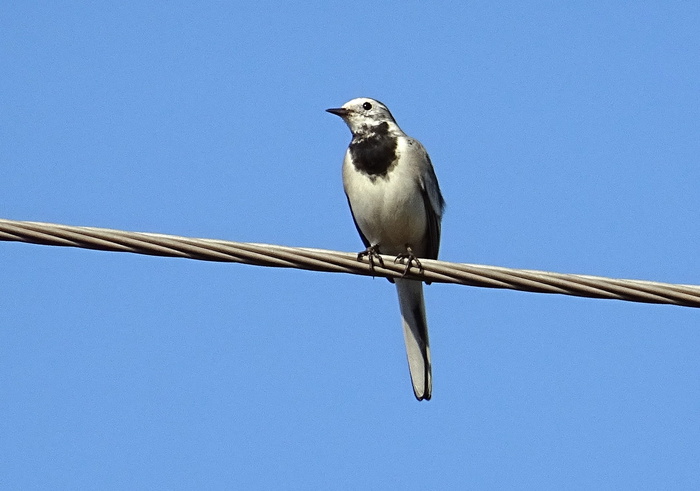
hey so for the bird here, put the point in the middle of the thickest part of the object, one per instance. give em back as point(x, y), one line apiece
point(397, 207)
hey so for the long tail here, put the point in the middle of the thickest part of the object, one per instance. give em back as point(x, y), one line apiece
point(415, 332)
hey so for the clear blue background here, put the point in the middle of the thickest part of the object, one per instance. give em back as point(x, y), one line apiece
point(565, 136)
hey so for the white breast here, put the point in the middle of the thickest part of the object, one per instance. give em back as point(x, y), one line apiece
point(389, 210)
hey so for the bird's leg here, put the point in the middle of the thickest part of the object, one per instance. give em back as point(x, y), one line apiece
point(410, 259)
point(372, 253)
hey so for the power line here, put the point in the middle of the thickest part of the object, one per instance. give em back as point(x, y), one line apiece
point(343, 262)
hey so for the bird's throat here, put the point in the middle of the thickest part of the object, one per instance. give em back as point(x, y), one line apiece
point(373, 150)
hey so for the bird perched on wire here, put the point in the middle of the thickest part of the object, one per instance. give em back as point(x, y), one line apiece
point(397, 207)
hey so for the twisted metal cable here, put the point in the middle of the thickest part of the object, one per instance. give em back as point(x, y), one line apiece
point(343, 262)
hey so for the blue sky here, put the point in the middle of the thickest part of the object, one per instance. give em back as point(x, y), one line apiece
point(565, 138)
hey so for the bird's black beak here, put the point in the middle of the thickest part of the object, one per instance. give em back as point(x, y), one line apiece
point(338, 111)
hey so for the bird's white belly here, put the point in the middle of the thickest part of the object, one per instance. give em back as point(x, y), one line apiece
point(389, 212)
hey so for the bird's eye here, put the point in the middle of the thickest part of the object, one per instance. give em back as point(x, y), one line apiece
point(367, 106)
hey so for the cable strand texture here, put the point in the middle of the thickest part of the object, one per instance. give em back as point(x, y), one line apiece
point(343, 262)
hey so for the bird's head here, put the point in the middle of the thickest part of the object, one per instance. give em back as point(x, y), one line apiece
point(363, 114)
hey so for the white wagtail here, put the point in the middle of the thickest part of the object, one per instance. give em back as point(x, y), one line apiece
point(397, 206)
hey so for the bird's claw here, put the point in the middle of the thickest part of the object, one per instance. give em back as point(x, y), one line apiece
point(372, 254)
point(410, 259)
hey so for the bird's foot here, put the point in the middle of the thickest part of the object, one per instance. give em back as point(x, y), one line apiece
point(410, 259)
point(372, 254)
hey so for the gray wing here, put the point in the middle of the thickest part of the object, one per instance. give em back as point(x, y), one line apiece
point(434, 207)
